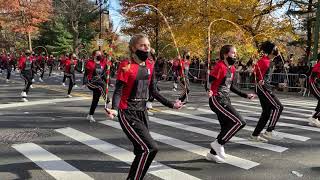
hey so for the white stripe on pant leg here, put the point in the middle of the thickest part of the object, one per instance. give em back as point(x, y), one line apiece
point(273, 116)
point(265, 94)
point(232, 160)
point(226, 112)
point(315, 89)
point(134, 135)
point(162, 171)
point(50, 163)
point(276, 117)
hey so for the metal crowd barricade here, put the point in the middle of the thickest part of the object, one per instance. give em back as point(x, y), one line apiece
point(293, 81)
point(197, 75)
point(247, 80)
point(296, 81)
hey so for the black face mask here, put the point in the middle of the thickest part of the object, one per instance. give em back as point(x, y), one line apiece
point(28, 54)
point(98, 58)
point(142, 55)
point(187, 57)
point(231, 60)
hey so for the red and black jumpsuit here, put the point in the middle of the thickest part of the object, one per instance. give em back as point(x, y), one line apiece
point(184, 80)
point(25, 65)
point(314, 85)
point(222, 81)
point(34, 65)
point(69, 72)
point(50, 64)
point(271, 106)
point(6, 65)
point(13, 61)
point(2, 63)
point(134, 83)
point(96, 81)
point(62, 66)
point(41, 61)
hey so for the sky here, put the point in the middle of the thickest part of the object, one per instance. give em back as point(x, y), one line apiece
point(114, 10)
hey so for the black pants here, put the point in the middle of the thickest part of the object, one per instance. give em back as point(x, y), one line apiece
point(27, 77)
point(8, 72)
point(98, 89)
point(72, 81)
point(13, 64)
point(64, 78)
point(50, 69)
point(41, 68)
point(185, 89)
point(230, 120)
point(271, 109)
point(316, 93)
point(135, 126)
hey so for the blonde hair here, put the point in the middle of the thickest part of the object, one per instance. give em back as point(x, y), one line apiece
point(134, 40)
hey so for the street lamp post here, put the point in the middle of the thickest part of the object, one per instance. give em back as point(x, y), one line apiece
point(100, 3)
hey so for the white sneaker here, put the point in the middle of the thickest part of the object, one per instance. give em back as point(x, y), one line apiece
point(271, 135)
point(31, 86)
point(7, 80)
point(76, 86)
point(174, 89)
point(216, 158)
point(218, 148)
point(33, 80)
point(150, 113)
point(257, 139)
point(63, 84)
point(23, 94)
point(149, 105)
point(314, 122)
point(24, 99)
point(175, 85)
point(40, 79)
point(69, 96)
point(90, 118)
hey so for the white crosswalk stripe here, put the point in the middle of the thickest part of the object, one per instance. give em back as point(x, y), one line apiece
point(162, 171)
point(235, 161)
point(250, 128)
point(50, 163)
point(285, 107)
point(214, 134)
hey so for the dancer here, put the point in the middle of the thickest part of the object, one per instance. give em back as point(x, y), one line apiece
point(7, 66)
point(95, 72)
point(50, 63)
point(314, 85)
point(271, 106)
point(69, 72)
point(135, 80)
point(25, 66)
point(221, 79)
point(183, 79)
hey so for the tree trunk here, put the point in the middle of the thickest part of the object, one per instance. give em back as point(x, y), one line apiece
point(309, 29)
point(29, 39)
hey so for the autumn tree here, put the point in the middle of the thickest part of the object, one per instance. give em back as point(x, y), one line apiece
point(24, 16)
point(255, 21)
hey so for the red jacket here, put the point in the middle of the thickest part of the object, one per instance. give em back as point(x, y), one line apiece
point(315, 70)
point(22, 62)
point(68, 64)
point(91, 67)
